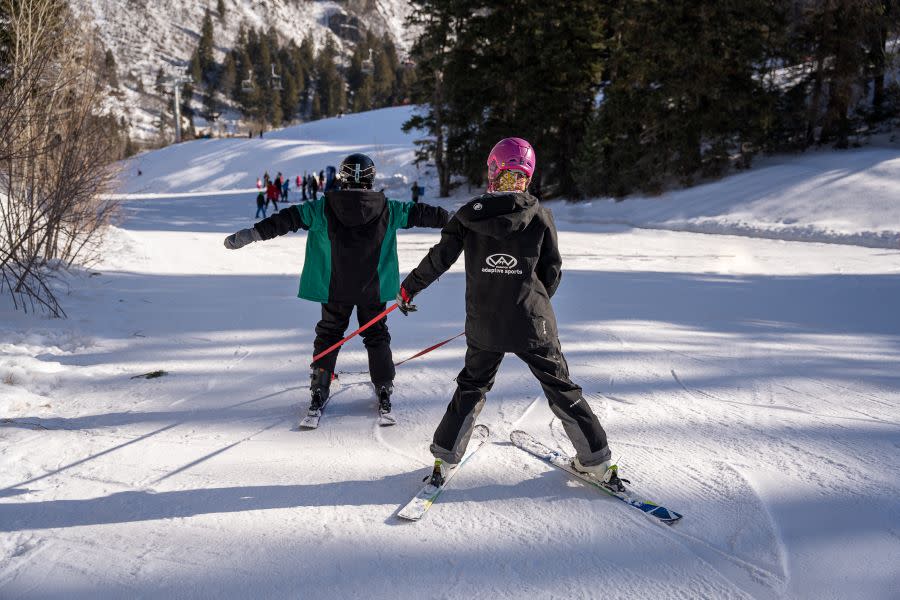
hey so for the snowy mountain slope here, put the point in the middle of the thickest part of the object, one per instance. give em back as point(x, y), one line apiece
point(237, 163)
point(145, 35)
point(750, 384)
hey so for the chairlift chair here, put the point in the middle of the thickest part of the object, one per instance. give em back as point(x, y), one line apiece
point(276, 80)
point(247, 85)
point(368, 65)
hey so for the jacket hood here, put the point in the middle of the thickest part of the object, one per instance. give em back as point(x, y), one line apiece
point(499, 215)
point(356, 207)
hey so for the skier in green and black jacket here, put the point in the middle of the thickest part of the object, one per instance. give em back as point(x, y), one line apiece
point(351, 260)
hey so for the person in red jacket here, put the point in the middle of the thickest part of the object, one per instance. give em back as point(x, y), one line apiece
point(272, 194)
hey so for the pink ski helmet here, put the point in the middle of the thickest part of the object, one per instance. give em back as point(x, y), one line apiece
point(510, 154)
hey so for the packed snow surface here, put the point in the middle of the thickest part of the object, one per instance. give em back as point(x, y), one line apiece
point(750, 384)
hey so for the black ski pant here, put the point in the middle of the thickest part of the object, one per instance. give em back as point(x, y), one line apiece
point(377, 340)
point(549, 366)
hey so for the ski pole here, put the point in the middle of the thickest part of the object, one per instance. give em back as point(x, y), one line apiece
point(416, 355)
point(334, 347)
point(429, 349)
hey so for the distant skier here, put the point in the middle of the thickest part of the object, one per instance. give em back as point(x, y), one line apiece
point(272, 194)
point(302, 184)
point(415, 191)
point(285, 189)
point(513, 268)
point(350, 261)
point(261, 204)
point(330, 179)
point(313, 187)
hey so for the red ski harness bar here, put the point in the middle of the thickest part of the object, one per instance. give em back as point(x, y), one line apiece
point(429, 349)
point(334, 347)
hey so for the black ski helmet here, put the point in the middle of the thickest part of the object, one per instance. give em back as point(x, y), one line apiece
point(357, 172)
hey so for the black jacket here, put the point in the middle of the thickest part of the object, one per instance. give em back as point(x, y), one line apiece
point(513, 268)
point(351, 248)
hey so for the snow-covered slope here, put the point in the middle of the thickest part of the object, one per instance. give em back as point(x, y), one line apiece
point(846, 197)
point(233, 163)
point(749, 384)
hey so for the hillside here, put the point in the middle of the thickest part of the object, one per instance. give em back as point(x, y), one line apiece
point(145, 35)
point(235, 164)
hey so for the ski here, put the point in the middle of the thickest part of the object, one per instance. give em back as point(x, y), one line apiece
point(525, 441)
point(427, 496)
point(311, 420)
point(386, 419)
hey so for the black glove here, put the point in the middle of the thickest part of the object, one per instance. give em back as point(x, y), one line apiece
point(242, 238)
point(404, 302)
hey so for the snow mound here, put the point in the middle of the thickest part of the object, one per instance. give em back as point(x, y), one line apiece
point(833, 197)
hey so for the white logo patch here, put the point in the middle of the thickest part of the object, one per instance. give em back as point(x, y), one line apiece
point(477, 206)
point(504, 261)
point(504, 264)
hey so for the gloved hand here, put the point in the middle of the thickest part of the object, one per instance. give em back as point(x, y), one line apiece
point(404, 302)
point(242, 238)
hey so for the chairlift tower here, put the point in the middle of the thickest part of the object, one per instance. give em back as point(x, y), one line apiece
point(178, 80)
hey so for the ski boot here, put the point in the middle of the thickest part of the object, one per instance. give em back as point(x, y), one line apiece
point(440, 473)
point(384, 391)
point(606, 473)
point(319, 387)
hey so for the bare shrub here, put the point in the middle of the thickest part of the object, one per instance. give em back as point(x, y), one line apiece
point(56, 148)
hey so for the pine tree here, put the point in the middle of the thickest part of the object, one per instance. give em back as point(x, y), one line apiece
point(290, 96)
point(229, 76)
point(435, 52)
point(220, 9)
point(363, 97)
point(681, 106)
point(159, 85)
point(205, 56)
point(330, 87)
point(384, 77)
point(109, 69)
point(194, 68)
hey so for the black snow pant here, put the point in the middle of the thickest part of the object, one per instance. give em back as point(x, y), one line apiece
point(549, 367)
point(377, 340)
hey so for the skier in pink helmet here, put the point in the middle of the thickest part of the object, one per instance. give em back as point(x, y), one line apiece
point(513, 268)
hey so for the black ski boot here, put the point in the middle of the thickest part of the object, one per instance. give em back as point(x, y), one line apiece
point(384, 391)
point(319, 387)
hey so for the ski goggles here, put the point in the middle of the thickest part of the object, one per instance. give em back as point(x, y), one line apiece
point(509, 180)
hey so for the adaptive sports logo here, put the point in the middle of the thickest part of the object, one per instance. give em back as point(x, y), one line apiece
point(504, 261)
point(504, 264)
